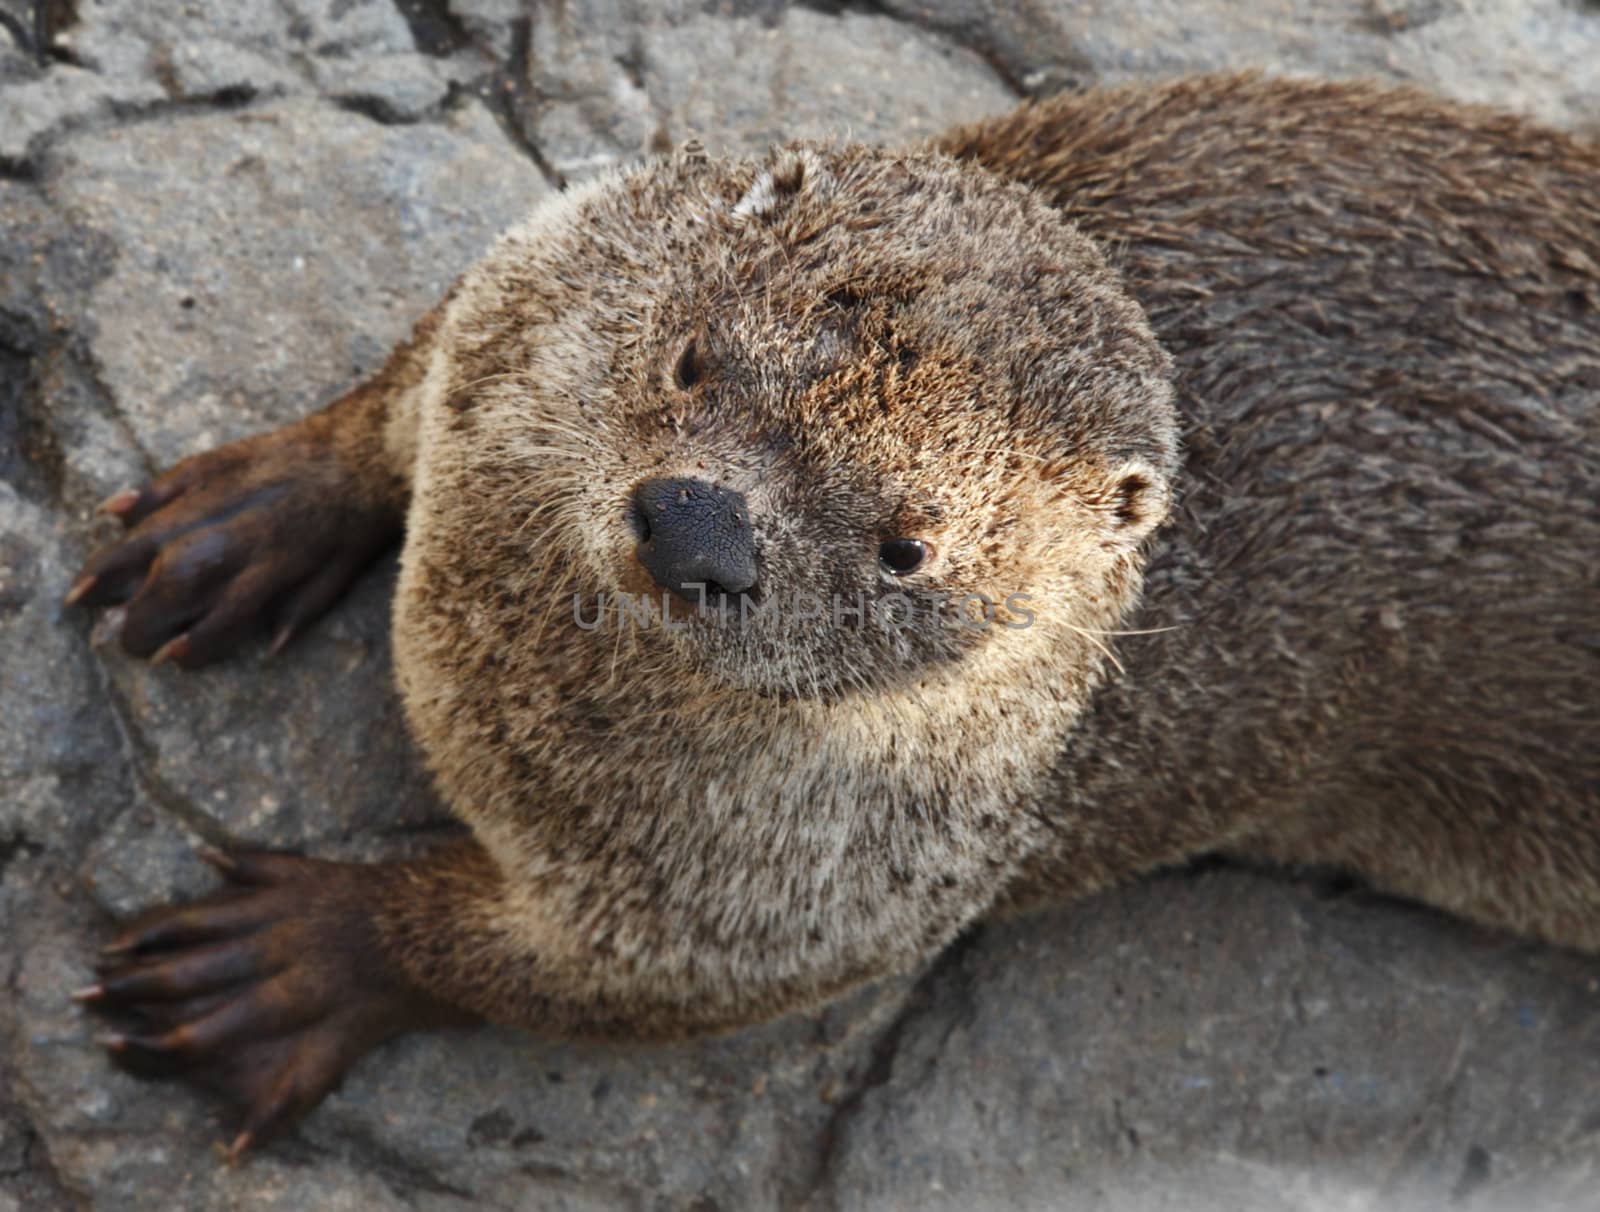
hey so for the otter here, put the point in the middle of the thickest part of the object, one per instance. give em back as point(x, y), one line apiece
point(807, 557)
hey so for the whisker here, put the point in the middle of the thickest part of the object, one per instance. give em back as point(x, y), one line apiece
point(1140, 631)
point(1094, 639)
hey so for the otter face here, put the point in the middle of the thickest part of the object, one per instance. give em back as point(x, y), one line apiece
point(835, 420)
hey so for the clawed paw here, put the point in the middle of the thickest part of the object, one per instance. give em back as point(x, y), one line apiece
point(265, 992)
point(272, 527)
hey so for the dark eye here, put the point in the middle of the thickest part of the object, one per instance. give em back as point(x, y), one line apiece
point(689, 370)
point(900, 556)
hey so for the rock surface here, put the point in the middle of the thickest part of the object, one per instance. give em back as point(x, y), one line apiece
point(216, 215)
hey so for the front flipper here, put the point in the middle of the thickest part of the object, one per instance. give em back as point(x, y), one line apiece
point(266, 992)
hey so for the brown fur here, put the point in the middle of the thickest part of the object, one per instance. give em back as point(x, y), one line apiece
point(1379, 589)
point(1385, 576)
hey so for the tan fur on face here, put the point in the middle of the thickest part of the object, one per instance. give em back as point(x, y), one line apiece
point(1372, 621)
point(810, 797)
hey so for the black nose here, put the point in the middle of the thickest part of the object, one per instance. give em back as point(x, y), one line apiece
point(693, 533)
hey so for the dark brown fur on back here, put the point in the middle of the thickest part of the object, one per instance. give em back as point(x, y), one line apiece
point(1384, 571)
point(1315, 367)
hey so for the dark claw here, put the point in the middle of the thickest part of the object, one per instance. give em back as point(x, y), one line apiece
point(80, 590)
point(185, 973)
point(133, 505)
point(120, 504)
point(114, 574)
point(200, 922)
point(272, 529)
point(241, 1145)
point(280, 640)
point(314, 1068)
point(265, 992)
point(220, 859)
point(261, 867)
point(176, 649)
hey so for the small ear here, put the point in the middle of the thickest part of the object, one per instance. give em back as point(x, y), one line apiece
point(794, 171)
point(1135, 500)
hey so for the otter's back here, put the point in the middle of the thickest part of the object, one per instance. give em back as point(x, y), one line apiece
point(1385, 568)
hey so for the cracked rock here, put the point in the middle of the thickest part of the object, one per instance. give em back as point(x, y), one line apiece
point(394, 88)
point(269, 257)
point(1219, 1043)
point(126, 38)
point(217, 216)
point(602, 87)
point(1031, 45)
point(1536, 56)
point(63, 95)
point(131, 56)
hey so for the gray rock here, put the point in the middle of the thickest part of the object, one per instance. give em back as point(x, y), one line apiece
point(62, 772)
point(603, 87)
point(884, 81)
point(1219, 1043)
point(144, 858)
point(129, 39)
point(127, 56)
point(1030, 44)
point(268, 256)
point(216, 217)
point(1537, 56)
point(394, 88)
point(65, 95)
point(491, 23)
point(202, 66)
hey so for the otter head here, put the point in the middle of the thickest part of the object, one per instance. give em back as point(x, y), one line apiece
point(837, 419)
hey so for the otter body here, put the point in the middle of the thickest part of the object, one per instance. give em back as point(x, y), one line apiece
point(1313, 368)
point(1383, 574)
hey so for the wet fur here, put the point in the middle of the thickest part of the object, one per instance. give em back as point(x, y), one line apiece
point(1385, 568)
point(1380, 583)
point(699, 829)
point(1370, 321)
